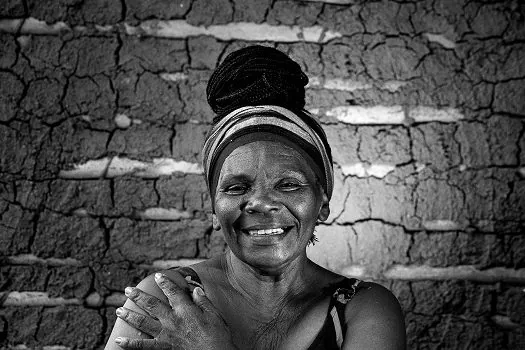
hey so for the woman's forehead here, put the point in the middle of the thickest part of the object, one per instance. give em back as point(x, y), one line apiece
point(265, 147)
point(269, 154)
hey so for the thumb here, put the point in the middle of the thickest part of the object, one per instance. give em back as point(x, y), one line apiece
point(202, 300)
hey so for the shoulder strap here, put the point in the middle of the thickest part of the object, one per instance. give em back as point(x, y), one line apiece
point(336, 320)
point(346, 292)
point(341, 297)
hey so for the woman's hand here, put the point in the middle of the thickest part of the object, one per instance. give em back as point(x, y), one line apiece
point(187, 323)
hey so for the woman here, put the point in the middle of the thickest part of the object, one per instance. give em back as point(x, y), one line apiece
point(269, 171)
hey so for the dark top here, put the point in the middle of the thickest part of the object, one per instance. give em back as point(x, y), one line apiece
point(331, 334)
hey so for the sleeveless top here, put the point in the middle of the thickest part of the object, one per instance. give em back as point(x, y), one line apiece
point(332, 332)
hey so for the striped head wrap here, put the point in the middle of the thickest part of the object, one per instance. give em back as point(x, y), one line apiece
point(271, 123)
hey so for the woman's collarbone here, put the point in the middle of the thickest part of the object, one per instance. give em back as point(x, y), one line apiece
point(290, 327)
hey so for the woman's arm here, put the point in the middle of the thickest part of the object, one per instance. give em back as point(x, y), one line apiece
point(375, 320)
point(121, 328)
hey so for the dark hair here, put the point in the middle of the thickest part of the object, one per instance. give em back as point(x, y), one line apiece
point(256, 75)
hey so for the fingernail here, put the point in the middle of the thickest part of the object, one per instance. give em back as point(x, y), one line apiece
point(199, 291)
point(118, 340)
point(120, 312)
point(128, 291)
point(158, 276)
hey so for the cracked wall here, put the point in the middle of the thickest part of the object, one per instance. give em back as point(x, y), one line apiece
point(103, 113)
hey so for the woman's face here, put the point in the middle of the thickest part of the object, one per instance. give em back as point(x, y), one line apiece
point(267, 203)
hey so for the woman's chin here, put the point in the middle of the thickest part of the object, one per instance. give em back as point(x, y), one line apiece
point(268, 260)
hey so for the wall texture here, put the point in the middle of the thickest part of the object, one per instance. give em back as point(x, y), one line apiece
point(102, 116)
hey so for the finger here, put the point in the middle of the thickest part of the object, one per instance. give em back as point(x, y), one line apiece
point(128, 343)
point(144, 323)
point(177, 278)
point(147, 302)
point(144, 344)
point(176, 295)
point(202, 301)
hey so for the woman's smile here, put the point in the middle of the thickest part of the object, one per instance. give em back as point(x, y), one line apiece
point(267, 236)
point(267, 202)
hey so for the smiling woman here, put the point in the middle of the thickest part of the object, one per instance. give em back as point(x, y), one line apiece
point(269, 172)
point(274, 185)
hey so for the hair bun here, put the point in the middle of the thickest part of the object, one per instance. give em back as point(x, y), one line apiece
point(256, 75)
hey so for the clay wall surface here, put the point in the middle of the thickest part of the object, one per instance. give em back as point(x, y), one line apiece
point(103, 113)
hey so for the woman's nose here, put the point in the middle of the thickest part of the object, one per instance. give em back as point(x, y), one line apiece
point(261, 202)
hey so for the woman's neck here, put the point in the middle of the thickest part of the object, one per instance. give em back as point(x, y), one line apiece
point(272, 288)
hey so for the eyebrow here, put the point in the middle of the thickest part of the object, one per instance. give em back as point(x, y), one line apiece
point(235, 177)
point(293, 172)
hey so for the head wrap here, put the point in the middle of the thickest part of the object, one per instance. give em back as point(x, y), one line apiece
point(251, 123)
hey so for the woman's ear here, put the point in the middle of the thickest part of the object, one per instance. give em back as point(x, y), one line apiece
point(324, 211)
point(215, 222)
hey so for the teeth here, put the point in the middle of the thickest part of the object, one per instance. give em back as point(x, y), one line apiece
point(272, 231)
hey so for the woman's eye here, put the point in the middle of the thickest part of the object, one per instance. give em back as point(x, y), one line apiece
point(236, 189)
point(289, 186)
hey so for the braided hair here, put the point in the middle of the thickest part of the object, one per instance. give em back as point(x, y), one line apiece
point(256, 75)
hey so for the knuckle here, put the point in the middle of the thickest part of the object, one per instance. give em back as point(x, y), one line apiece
point(151, 303)
point(135, 343)
point(139, 320)
point(172, 289)
point(179, 309)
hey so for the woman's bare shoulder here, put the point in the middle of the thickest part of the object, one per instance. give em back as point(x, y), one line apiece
point(210, 271)
point(370, 295)
point(374, 310)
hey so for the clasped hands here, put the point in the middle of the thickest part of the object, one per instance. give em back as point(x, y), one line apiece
point(188, 322)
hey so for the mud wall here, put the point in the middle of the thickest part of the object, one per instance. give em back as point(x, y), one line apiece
point(103, 113)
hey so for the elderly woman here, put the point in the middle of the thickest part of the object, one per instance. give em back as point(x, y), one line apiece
point(269, 171)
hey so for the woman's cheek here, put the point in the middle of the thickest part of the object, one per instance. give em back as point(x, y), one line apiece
point(227, 210)
point(304, 205)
